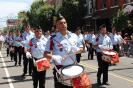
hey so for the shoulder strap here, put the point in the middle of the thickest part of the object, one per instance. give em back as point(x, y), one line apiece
point(30, 42)
point(97, 38)
point(52, 42)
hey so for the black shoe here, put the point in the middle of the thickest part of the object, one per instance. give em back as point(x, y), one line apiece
point(30, 74)
point(23, 74)
point(105, 83)
point(99, 83)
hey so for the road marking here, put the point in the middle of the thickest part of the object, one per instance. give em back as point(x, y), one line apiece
point(110, 73)
point(7, 73)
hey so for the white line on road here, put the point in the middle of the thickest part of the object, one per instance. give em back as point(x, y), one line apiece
point(7, 73)
point(110, 73)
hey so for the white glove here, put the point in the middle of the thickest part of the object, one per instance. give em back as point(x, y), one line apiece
point(57, 58)
point(28, 55)
point(72, 49)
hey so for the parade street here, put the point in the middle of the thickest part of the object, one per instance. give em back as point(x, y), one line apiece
point(120, 75)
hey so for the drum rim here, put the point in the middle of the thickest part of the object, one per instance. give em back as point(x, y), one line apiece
point(72, 65)
point(108, 54)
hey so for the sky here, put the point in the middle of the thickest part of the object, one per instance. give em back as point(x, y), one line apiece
point(10, 9)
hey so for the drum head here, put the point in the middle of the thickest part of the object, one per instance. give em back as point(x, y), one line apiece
point(109, 52)
point(72, 70)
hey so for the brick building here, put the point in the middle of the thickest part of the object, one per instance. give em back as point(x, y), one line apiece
point(102, 12)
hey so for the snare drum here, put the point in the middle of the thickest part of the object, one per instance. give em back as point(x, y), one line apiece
point(108, 55)
point(69, 72)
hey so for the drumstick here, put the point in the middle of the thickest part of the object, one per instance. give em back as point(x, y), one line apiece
point(68, 55)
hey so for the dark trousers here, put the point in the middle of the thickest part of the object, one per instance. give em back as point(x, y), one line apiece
point(90, 52)
point(18, 52)
point(102, 69)
point(38, 77)
point(116, 48)
point(7, 51)
point(28, 64)
point(11, 53)
point(78, 57)
point(57, 84)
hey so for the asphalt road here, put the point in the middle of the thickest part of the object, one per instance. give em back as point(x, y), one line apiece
point(120, 75)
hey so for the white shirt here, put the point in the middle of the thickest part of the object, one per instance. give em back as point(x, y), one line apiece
point(114, 38)
point(9, 39)
point(90, 38)
point(80, 38)
point(17, 41)
point(120, 39)
point(26, 38)
point(103, 42)
point(2, 38)
point(60, 41)
point(38, 47)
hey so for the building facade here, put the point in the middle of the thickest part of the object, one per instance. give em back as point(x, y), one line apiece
point(102, 11)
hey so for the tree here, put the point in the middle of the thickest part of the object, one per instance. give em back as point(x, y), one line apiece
point(22, 16)
point(22, 19)
point(40, 15)
point(120, 22)
point(73, 11)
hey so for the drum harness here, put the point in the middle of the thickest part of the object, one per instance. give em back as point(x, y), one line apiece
point(58, 74)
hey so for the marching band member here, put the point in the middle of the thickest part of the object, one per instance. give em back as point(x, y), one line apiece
point(1, 40)
point(17, 47)
point(81, 39)
point(121, 42)
point(37, 51)
point(27, 36)
point(63, 43)
point(89, 40)
point(9, 41)
point(114, 39)
point(102, 42)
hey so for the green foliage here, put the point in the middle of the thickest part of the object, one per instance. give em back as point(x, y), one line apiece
point(22, 16)
point(121, 21)
point(5, 29)
point(40, 15)
point(73, 11)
